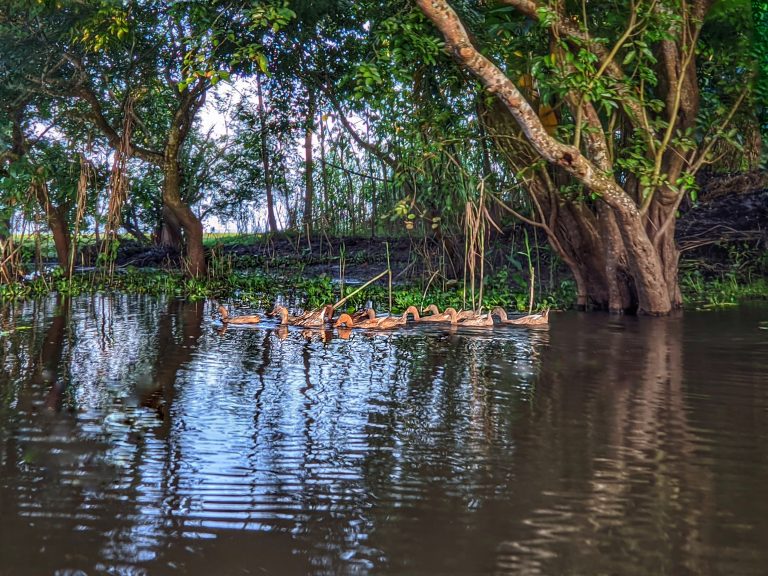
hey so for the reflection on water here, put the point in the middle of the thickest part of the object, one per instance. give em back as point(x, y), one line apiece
point(139, 436)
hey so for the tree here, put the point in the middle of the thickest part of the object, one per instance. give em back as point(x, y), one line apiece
point(143, 72)
point(622, 83)
point(263, 150)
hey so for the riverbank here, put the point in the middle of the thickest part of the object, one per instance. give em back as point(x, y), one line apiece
point(723, 240)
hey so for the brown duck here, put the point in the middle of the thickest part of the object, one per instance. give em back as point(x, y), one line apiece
point(361, 315)
point(227, 319)
point(374, 323)
point(540, 319)
point(435, 316)
point(445, 316)
point(467, 318)
point(474, 321)
point(312, 319)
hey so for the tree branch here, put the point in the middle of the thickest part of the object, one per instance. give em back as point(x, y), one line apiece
point(385, 157)
point(608, 64)
point(85, 93)
point(496, 82)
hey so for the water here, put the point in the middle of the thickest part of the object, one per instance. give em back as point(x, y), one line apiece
point(136, 437)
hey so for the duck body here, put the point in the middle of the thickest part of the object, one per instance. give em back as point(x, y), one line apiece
point(446, 315)
point(361, 315)
point(468, 318)
point(345, 320)
point(312, 319)
point(478, 321)
point(463, 315)
point(540, 319)
point(435, 316)
point(372, 322)
point(227, 319)
point(452, 315)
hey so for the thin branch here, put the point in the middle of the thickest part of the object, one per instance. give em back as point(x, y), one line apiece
point(717, 135)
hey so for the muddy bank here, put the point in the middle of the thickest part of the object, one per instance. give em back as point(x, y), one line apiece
point(731, 219)
point(728, 229)
point(356, 258)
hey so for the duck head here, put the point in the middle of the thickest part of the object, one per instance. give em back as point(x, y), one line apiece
point(412, 310)
point(431, 308)
point(500, 312)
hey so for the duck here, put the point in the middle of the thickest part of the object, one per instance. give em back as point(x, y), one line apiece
point(445, 316)
point(346, 320)
point(475, 321)
point(374, 323)
point(227, 319)
point(435, 316)
point(540, 319)
point(367, 313)
point(312, 319)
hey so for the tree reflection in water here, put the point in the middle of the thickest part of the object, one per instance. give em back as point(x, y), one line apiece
point(137, 434)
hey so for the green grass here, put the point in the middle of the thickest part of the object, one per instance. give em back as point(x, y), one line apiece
point(260, 286)
point(729, 290)
point(216, 239)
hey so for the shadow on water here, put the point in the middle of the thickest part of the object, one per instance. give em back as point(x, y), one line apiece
point(139, 436)
point(641, 460)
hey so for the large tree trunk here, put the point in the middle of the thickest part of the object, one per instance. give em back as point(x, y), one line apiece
point(170, 233)
point(591, 169)
point(177, 215)
point(583, 232)
point(56, 216)
point(173, 205)
point(178, 210)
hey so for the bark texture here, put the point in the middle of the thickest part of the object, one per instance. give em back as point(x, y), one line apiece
point(56, 217)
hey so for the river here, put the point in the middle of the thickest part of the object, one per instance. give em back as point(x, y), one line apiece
point(139, 437)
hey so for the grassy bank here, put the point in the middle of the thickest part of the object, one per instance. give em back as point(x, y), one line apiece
point(302, 275)
point(259, 289)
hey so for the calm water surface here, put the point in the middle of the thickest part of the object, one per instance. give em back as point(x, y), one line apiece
point(136, 437)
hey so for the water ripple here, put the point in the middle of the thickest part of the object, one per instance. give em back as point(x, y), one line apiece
point(138, 436)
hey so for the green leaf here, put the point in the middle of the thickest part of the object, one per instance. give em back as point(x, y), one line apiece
point(261, 60)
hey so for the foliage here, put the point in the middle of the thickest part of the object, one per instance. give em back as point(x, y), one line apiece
point(404, 141)
point(760, 52)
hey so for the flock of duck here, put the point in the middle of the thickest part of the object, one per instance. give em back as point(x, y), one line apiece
point(369, 320)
